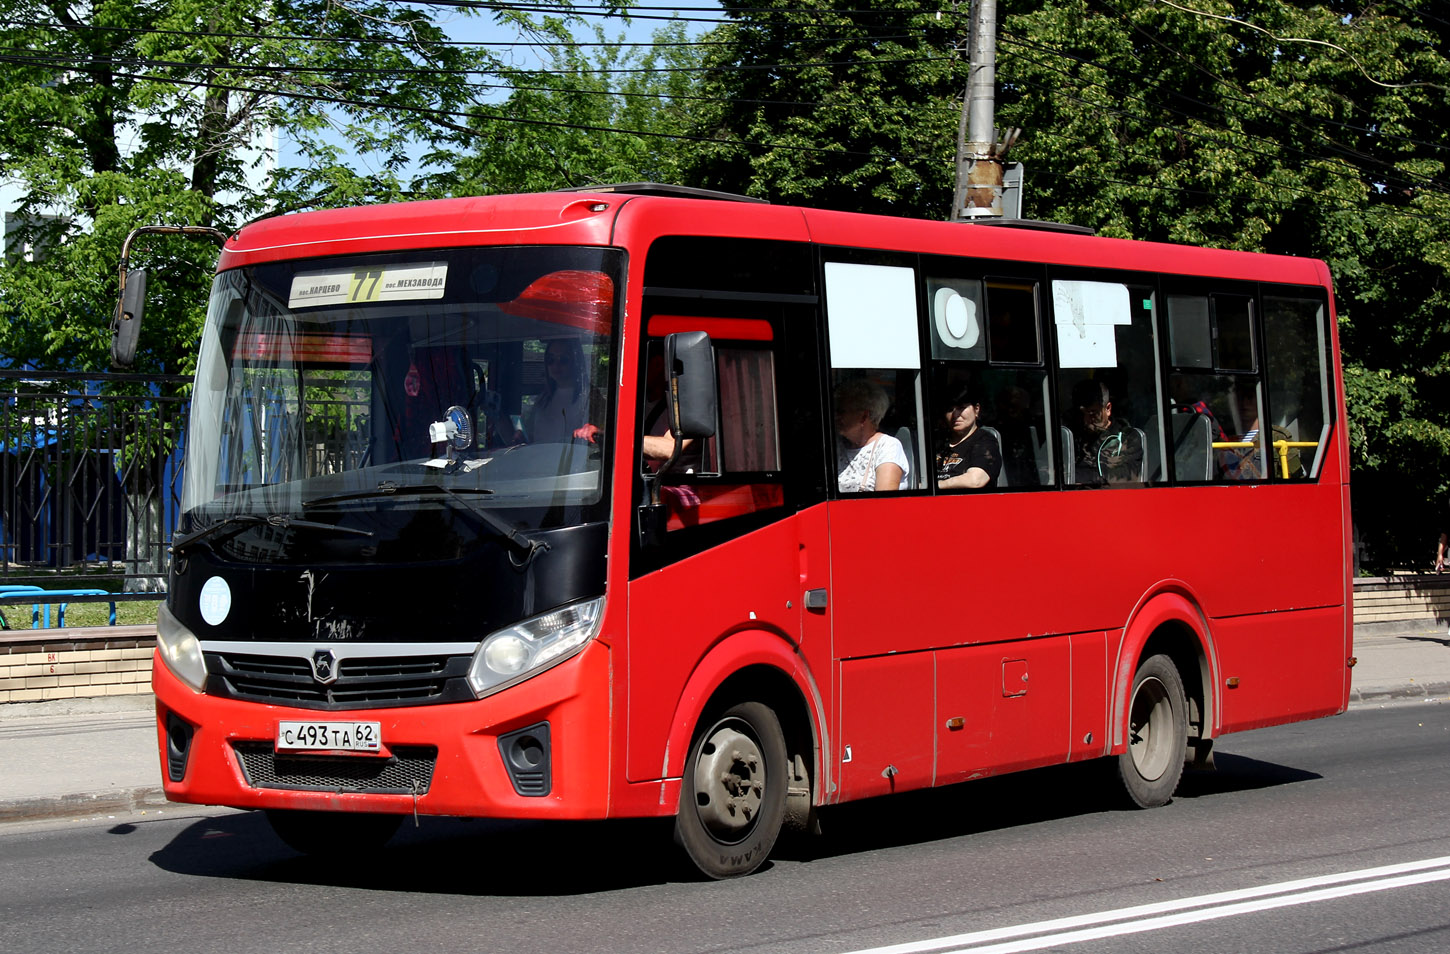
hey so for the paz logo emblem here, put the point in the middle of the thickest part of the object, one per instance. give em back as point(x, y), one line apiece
point(324, 666)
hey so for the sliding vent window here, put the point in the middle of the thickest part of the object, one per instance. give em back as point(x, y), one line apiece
point(1012, 322)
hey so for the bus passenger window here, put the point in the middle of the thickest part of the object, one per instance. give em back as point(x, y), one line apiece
point(1108, 388)
point(875, 443)
point(1214, 397)
point(872, 326)
point(1297, 382)
point(988, 414)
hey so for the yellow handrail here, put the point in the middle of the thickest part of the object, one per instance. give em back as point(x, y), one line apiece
point(1281, 446)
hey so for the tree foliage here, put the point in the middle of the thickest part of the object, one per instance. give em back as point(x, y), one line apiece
point(619, 115)
point(843, 105)
point(119, 113)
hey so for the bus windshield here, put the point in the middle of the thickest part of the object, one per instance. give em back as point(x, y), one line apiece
point(406, 399)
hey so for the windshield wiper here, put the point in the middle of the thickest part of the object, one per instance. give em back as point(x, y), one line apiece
point(525, 544)
point(238, 522)
point(389, 488)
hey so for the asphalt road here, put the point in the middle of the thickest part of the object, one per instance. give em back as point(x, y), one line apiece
point(1326, 836)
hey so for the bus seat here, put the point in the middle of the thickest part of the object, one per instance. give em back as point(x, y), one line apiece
point(1069, 457)
point(1192, 445)
point(1153, 450)
point(908, 444)
point(997, 436)
point(1042, 454)
point(1142, 461)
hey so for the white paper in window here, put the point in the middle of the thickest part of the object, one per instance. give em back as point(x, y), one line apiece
point(1087, 314)
point(871, 313)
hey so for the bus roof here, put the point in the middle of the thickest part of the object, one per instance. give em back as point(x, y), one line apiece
point(635, 213)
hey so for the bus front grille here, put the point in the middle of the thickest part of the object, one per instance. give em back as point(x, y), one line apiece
point(408, 772)
point(362, 682)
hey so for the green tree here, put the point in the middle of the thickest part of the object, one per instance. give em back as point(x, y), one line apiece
point(842, 105)
point(619, 115)
point(117, 113)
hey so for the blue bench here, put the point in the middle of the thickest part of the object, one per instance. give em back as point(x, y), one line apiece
point(53, 596)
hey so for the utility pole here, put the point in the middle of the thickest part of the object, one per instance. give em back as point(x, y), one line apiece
point(979, 153)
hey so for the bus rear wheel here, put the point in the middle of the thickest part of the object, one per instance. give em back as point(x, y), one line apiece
point(1157, 734)
point(732, 800)
point(332, 834)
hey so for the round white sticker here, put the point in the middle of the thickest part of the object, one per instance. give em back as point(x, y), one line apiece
point(216, 600)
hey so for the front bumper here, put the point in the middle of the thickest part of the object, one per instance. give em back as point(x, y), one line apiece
point(440, 759)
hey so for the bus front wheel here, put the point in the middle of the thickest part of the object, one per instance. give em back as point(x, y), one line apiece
point(332, 834)
point(1157, 734)
point(732, 800)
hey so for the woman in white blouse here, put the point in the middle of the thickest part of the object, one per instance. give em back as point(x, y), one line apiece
point(866, 459)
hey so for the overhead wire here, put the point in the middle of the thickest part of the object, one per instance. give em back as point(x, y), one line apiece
point(480, 114)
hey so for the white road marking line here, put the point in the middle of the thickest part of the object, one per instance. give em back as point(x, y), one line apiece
point(1150, 917)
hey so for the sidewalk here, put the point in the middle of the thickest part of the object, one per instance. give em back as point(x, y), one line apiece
point(99, 756)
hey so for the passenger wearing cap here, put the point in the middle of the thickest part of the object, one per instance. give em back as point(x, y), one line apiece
point(968, 458)
point(1109, 451)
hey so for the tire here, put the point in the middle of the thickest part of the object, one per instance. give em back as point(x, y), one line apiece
point(1157, 734)
point(333, 834)
point(732, 799)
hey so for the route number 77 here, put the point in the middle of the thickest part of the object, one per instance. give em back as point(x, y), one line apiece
point(365, 285)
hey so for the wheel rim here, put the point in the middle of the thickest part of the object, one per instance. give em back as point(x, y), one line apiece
point(1150, 729)
point(729, 782)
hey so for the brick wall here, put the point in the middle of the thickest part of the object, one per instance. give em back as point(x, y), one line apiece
point(37, 665)
point(1393, 603)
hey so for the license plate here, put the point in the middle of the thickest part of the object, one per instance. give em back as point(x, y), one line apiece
point(332, 736)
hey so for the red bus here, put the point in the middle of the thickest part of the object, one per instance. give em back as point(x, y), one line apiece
point(644, 501)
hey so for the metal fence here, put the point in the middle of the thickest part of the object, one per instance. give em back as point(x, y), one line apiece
point(90, 478)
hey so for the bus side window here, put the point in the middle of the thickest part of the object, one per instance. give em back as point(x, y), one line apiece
point(1297, 380)
point(872, 329)
point(1108, 388)
point(1215, 400)
point(982, 334)
point(875, 422)
point(737, 471)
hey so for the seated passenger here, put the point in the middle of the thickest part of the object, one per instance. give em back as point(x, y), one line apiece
point(1108, 451)
point(968, 458)
point(866, 459)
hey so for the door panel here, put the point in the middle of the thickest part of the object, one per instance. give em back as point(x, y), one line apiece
point(887, 710)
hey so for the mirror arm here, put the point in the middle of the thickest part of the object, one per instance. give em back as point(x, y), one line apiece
point(216, 235)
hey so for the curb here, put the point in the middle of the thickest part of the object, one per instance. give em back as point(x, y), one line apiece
point(1408, 692)
point(85, 803)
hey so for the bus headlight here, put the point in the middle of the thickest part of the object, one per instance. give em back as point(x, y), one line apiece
point(525, 648)
point(180, 649)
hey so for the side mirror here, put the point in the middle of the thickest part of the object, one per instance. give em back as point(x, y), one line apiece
point(126, 327)
point(690, 385)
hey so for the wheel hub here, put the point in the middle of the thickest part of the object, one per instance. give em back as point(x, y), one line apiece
point(1150, 729)
point(729, 783)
